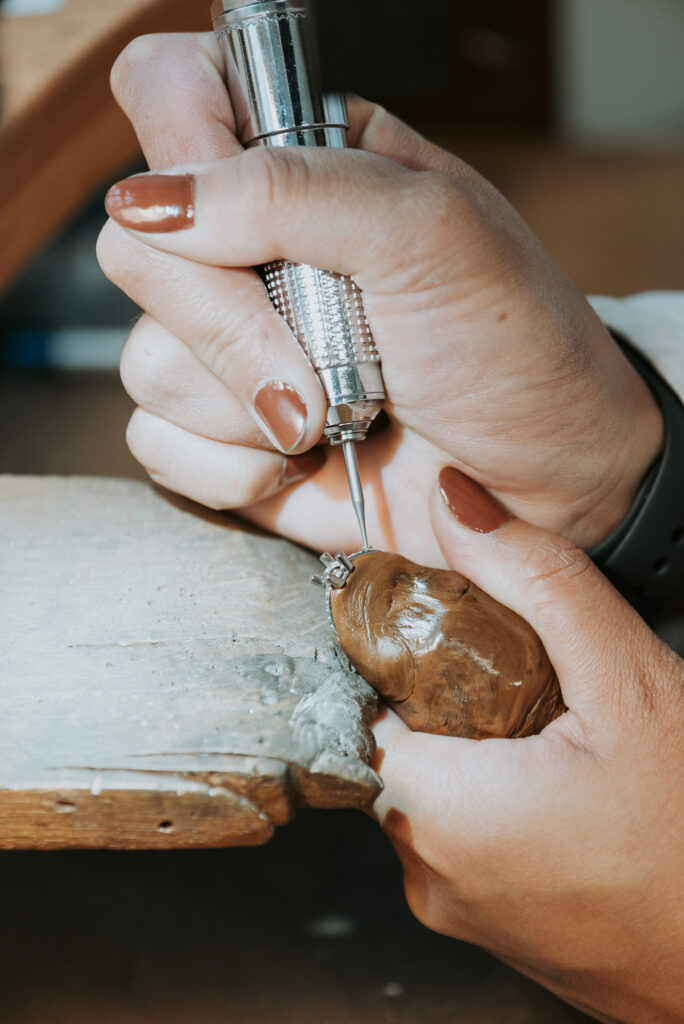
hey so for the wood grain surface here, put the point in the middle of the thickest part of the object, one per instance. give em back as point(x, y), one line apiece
point(167, 677)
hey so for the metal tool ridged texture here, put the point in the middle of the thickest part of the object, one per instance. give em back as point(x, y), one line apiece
point(324, 311)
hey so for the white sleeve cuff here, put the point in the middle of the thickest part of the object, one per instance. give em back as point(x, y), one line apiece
point(654, 323)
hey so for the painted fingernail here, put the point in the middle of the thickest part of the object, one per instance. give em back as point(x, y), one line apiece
point(282, 413)
point(153, 202)
point(472, 505)
point(298, 467)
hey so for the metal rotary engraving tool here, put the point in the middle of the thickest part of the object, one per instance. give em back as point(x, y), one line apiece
point(271, 72)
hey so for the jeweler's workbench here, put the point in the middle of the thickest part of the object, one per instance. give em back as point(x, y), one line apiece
point(169, 677)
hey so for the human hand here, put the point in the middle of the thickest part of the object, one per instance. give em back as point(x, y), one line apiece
point(493, 360)
point(561, 853)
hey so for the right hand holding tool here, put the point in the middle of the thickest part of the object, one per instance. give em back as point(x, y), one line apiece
point(493, 360)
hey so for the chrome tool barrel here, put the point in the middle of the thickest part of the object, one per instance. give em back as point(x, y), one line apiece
point(273, 82)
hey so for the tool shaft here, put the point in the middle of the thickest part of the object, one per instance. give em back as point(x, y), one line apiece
point(355, 488)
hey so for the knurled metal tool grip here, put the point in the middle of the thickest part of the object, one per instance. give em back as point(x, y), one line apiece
point(272, 78)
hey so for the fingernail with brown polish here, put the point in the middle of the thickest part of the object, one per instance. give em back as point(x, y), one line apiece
point(153, 202)
point(298, 467)
point(473, 506)
point(282, 413)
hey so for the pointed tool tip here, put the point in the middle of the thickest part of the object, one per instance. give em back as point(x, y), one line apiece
point(356, 489)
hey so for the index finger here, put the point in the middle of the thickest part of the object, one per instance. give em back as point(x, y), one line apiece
point(171, 88)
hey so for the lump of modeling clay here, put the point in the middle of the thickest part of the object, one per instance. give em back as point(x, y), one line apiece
point(445, 656)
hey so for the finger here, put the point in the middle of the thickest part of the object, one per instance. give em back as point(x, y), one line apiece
point(171, 88)
point(164, 377)
point(343, 209)
point(452, 809)
point(591, 634)
point(405, 761)
point(393, 747)
point(221, 476)
point(227, 320)
point(191, 117)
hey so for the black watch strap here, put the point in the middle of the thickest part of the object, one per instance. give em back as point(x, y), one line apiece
point(644, 556)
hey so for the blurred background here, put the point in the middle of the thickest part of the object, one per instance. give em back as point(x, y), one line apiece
point(575, 110)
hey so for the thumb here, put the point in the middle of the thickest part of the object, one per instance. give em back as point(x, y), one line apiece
point(588, 629)
point(341, 209)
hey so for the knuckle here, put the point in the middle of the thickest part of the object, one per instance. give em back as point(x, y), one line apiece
point(435, 204)
point(136, 439)
point(442, 196)
point(143, 362)
point(112, 250)
point(433, 900)
point(273, 176)
point(667, 666)
point(215, 504)
point(360, 108)
point(657, 683)
point(104, 251)
point(378, 121)
point(147, 443)
point(371, 122)
point(135, 267)
point(381, 114)
point(418, 901)
point(251, 485)
point(388, 134)
point(231, 339)
point(449, 198)
point(555, 559)
point(125, 72)
point(217, 349)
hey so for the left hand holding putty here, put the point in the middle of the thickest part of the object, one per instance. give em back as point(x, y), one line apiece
point(560, 853)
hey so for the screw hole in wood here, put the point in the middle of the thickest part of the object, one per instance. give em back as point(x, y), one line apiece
point(65, 806)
